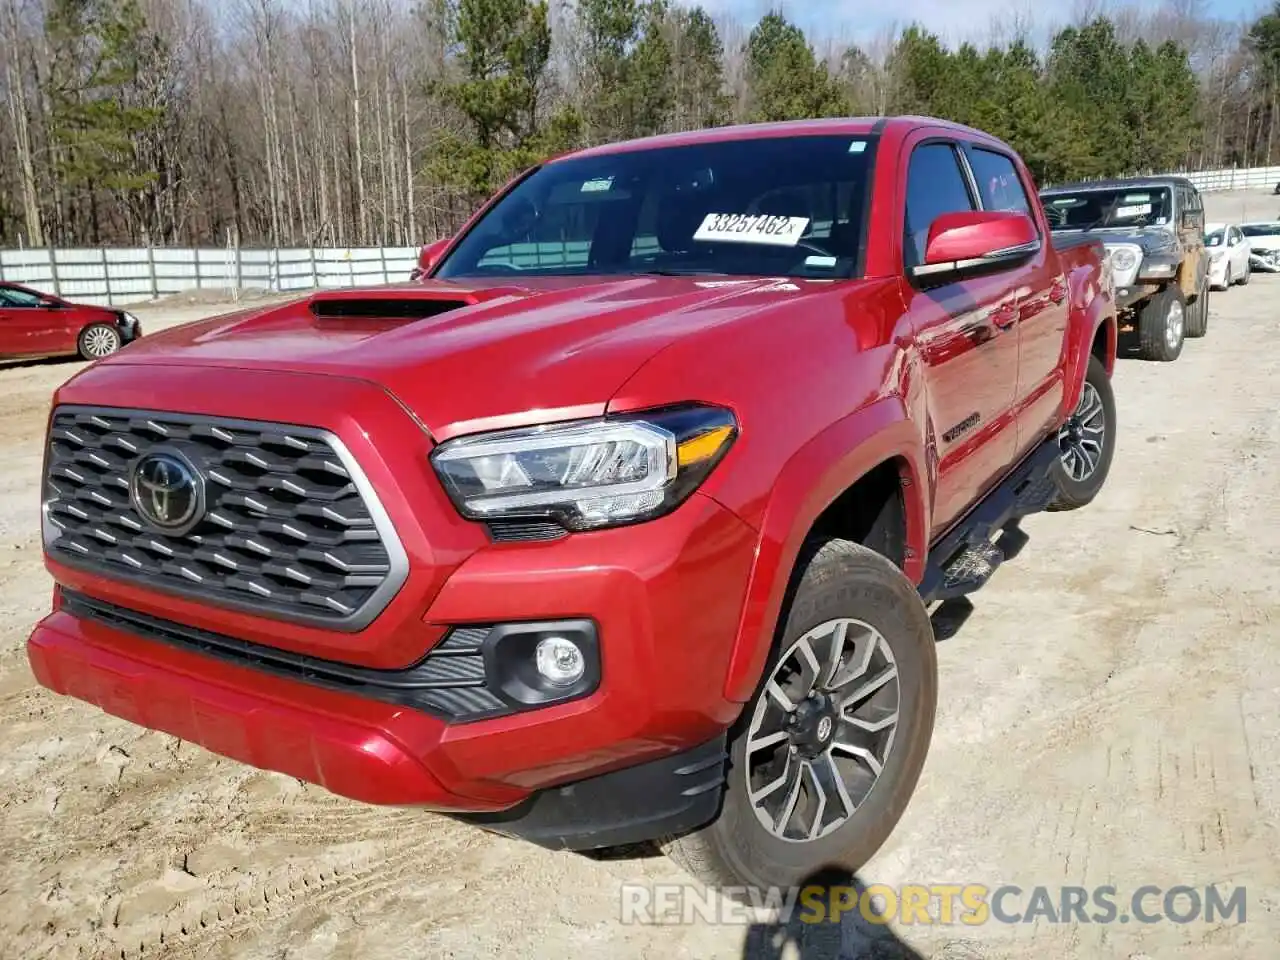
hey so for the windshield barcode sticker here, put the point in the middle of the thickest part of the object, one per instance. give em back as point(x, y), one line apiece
point(762, 228)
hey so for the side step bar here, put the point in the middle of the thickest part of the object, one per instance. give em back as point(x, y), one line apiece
point(964, 560)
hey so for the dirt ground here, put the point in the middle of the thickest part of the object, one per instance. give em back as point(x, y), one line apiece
point(1108, 716)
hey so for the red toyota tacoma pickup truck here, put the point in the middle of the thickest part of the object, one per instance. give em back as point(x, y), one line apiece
point(623, 524)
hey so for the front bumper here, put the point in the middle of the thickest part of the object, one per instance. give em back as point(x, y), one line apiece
point(667, 616)
point(664, 597)
point(1218, 273)
point(1135, 294)
point(1268, 262)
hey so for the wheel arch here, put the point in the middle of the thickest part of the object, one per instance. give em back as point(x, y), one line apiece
point(863, 477)
point(1093, 331)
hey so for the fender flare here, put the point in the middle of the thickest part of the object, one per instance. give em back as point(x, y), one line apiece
point(1091, 309)
point(809, 482)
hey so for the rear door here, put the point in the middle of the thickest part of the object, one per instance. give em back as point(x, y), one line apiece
point(1043, 311)
point(967, 337)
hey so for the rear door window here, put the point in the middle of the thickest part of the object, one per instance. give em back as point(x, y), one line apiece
point(998, 182)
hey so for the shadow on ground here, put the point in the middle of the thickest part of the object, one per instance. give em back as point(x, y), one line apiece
point(807, 936)
point(24, 362)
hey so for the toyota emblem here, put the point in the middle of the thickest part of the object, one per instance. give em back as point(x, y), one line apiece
point(168, 492)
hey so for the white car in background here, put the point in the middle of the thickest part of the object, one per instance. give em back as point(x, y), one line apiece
point(1228, 255)
point(1264, 245)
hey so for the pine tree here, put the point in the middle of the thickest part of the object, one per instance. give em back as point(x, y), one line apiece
point(785, 79)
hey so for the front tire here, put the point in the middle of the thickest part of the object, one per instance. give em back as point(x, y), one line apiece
point(1087, 441)
point(1248, 272)
point(1162, 325)
point(825, 758)
point(98, 340)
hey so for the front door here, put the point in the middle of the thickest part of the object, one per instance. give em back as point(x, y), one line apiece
point(1043, 310)
point(29, 329)
point(967, 337)
point(1190, 227)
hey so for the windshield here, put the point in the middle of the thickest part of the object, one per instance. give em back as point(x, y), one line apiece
point(1213, 239)
point(1092, 209)
point(765, 207)
point(1260, 229)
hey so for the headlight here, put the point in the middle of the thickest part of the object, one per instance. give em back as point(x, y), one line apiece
point(587, 474)
point(1123, 259)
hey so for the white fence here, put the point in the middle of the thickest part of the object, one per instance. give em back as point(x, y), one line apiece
point(120, 275)
point(1209, 181)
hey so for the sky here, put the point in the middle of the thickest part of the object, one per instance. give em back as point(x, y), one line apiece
point(953, 20)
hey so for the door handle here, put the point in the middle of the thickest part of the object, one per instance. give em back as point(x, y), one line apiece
point(1058, 290)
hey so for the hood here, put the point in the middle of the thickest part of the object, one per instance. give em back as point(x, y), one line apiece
point(466, 357)
point(1270, 241)
point(1150, 239)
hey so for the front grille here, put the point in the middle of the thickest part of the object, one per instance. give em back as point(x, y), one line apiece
point(451, 682)
point(290, 528)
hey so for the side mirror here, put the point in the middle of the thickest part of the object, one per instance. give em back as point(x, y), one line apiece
point(975, 242)
point(428, 257)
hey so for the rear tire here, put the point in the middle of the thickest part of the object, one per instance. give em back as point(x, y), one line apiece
point(1162, 325)
point(1087, 441)
point(1198, 314)
point(98, 340)
point(817, 784)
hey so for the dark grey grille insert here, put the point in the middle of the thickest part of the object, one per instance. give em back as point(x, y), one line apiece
point(293, 529)
point(450, 682)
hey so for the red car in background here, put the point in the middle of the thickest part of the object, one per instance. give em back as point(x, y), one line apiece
point(35, 324)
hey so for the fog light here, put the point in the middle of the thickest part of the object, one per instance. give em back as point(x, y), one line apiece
point(560, 661)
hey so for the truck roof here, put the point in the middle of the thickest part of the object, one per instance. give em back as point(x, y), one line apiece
point(1119, 183)
point(856, 126)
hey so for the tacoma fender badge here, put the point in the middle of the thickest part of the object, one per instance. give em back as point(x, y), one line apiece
point(963, 427)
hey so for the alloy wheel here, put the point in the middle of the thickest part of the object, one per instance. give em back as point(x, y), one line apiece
point(1082, 437)
point(822, 730)
point(101, 342)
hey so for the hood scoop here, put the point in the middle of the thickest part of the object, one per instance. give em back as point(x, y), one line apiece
point(384, 308)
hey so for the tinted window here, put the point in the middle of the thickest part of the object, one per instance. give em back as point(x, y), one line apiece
point(1109, 207)
point(998, 182)
point(765, 207)
point(19, 298)
point(1213, 239)
point(1260, 229)
point(935, 185)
